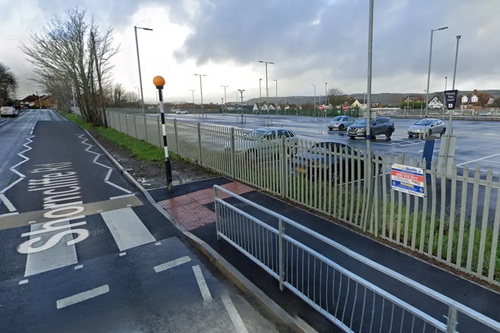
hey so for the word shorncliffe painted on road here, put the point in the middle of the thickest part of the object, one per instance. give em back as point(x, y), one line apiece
point(61, 192)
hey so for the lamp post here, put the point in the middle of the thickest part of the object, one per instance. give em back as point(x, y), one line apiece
point(260, 93)
point(326, 89)
point(276, 96)
point(429, 72)
point(225, 100)
point(192, 93)
point(241, 92)
point(454, 75)
point(444, 93)
point(139, 63)
point(314, 100)
point(201, 93)
point(267, 87)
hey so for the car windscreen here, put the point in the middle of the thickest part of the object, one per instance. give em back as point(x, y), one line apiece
point(337, 118)
point(361, 122)
point(424, 122)
point(255, 134)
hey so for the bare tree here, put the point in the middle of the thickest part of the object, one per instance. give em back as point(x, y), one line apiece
point(8, 84)
point(336, 96)
point(65, 50)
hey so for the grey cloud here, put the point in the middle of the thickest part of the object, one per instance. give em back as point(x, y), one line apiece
point(281, 30)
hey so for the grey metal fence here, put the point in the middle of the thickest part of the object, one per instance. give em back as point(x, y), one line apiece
point(457, 222)
point(349, 301)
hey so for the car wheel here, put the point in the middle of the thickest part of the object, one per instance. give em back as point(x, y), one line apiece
point(252, 154)
point(292, 151)
point(442, 132)
point(410, 136)
point(430, 133)
point(330, 128)
point(352, 137)
point(341, 127)
point(388, 133)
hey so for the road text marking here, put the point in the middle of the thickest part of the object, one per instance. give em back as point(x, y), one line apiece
point(202, 284)
point(84, 296)
point(172, 264)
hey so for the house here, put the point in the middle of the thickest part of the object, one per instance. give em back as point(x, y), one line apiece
point(356, 104)
point(413, 98)
point(30, 100)
point(48, 102)
point(435, 103)
point(377, 105)
point(477, 100)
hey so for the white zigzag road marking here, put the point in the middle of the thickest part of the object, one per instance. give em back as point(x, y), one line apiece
point(21, 176)
point(110, 170)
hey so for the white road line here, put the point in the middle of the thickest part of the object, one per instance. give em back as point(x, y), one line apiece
point(110, 170)
point(233, 314)
point(57, 256)
point(202, 284)
point(122, 254)
point(172, 264)
point(78, 267)
point(84, 296)
point(21, 176)
point(479, 159)
point(158, 243)
point(31, 222)
point(33, 128)
point(25, 281)
point(127, 228)
point(122, 196)
point(9, 214)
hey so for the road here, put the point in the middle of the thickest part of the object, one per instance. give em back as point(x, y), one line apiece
point(476, 145)
point(81, 251)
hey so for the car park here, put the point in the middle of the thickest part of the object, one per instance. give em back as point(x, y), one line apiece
point(9, 111)
point(316, 162)
point(379, 126)
point(427, 127)
point(340, 123)
point(265, 141)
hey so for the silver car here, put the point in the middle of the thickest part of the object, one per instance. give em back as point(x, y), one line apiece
point(341, 123)
point(264, 141)
point(427, 127)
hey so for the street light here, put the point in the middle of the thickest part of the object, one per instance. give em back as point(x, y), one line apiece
point(326, 86)
point(267, 88)
point(276, 96)
point(201, 93)
point(454, 74)
point(429, 73)
point(241, 92)
point(192, 93)
point(260, 92)
point(314, 100)
point(225, 100)
point(139, 63)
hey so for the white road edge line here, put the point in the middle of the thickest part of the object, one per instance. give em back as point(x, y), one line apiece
point(25, 281)
point(122, 196)
point(233, 314)
point(478, 159)
point(202, 284)
point(172, 264)
point(110, 170)
point(3, 198)
point(84, 296)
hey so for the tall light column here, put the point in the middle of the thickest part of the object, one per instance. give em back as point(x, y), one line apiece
point(276, 96)
point(314, 100)
point(201, 93)
point(225, 99)
point(260, 93)
point(192, 93)
point(139, 63)
point(267, 87)
point(429, 72)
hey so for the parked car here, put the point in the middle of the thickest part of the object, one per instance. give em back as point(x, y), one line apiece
point(181, 112)
point(9, 111)
point(341, 123)
point(379, 126)
point(316, 162)
point(427, 127)
point(265, 141)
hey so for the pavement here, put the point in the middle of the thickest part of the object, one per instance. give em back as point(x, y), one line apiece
point(82, 251)
point(198, 197)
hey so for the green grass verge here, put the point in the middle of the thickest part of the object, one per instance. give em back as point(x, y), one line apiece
point(139, 149)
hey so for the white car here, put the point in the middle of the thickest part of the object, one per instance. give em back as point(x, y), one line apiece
point(9, 111)
point(181, 112)
point(264, 141)
point(341, 123)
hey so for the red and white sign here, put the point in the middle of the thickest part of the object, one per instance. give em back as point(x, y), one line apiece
point(345, 107)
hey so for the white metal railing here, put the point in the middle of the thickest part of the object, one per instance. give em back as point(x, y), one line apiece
point(338, 294)
point(457, 223)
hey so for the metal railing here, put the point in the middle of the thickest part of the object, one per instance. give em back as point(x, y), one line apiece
point(457, 222)
point(349, 301)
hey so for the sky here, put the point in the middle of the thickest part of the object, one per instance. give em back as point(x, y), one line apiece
point(309, 41)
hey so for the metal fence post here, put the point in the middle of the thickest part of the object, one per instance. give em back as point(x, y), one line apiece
point(451, 326)
point(200, 155)
point(233, 155)
point(283, 166)
point(217, 222)
point(176, 137)
point(281, 252)
point(145, 127)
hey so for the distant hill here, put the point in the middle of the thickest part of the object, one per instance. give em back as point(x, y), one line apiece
point(384, 98)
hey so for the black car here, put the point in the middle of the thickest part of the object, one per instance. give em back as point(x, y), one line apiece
point(379, 126)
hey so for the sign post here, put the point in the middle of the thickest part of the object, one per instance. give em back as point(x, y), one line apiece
point(449, 142)
point(451, 101)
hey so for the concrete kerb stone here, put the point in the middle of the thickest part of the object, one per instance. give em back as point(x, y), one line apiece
point(296, 324)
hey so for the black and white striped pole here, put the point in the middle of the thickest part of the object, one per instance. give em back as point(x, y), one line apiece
point(159, 82)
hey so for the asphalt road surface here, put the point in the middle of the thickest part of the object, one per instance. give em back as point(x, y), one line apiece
point(476, 145)
point(80, 251)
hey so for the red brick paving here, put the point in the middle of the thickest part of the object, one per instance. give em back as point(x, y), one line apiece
point(189, 210)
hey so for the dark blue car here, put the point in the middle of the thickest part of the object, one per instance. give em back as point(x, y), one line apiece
point(317, 163)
